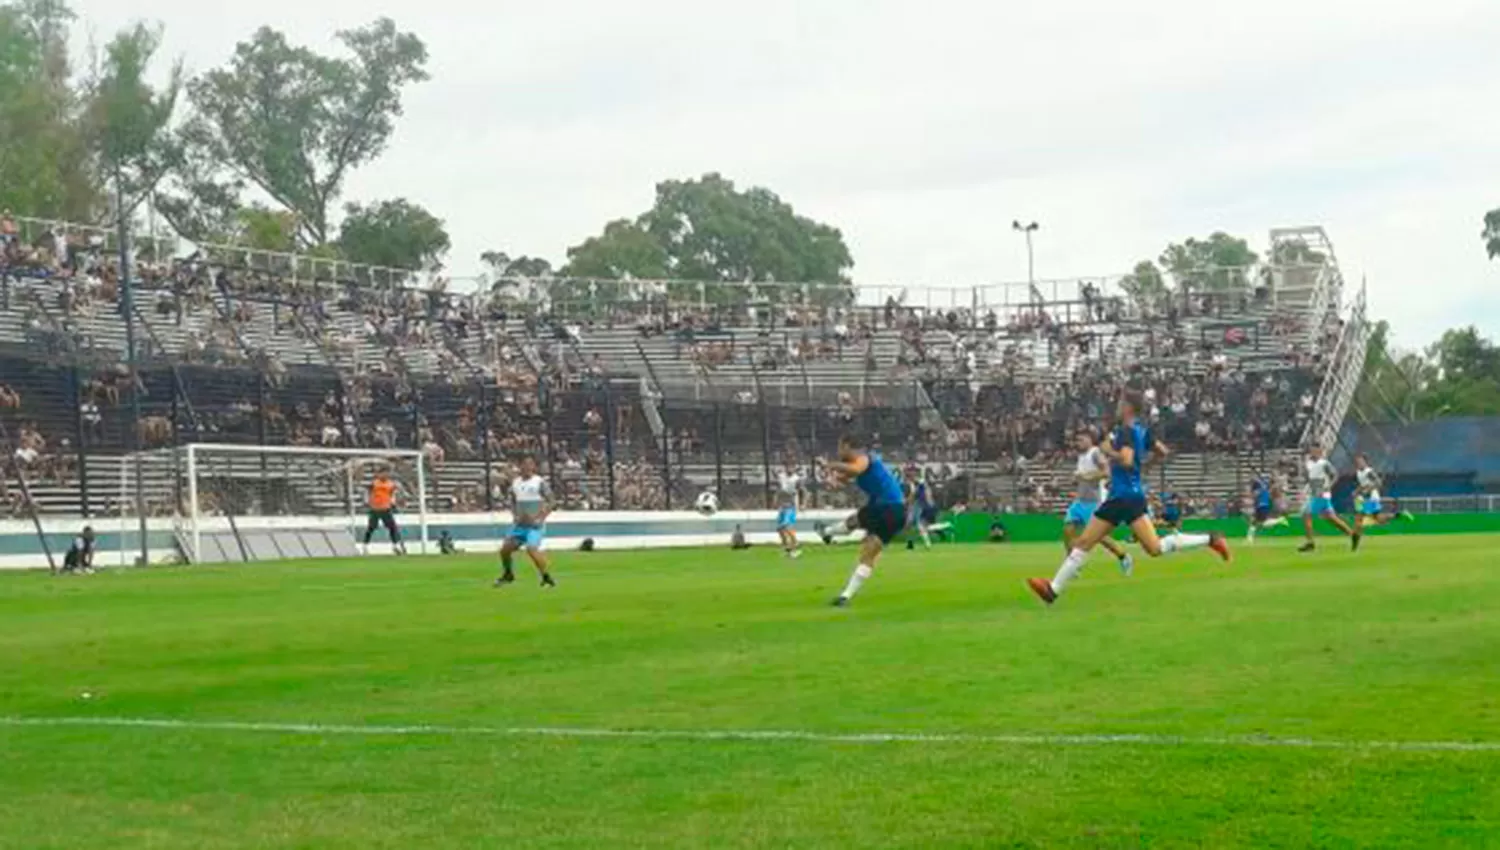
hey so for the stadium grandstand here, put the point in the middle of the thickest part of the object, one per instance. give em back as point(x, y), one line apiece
point(636, 395)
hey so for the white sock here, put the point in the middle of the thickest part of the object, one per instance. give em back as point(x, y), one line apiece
point(1183, 542)
point(861, 574)
point(1251, 535)
point(926, 539)
point(1071, 567)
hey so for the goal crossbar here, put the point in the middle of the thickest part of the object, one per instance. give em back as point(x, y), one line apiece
point(192, 455)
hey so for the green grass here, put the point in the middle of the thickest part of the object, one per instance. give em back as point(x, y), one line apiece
point(1398, 643)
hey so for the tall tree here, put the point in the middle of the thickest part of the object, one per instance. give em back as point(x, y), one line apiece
point(128, 120)
point(294, 123)
point(1145, 286)
point(707, 230)
point(1221, 263)
point(396, 234)
point(1459, 374)
point(1491, 234)
point(45, 167)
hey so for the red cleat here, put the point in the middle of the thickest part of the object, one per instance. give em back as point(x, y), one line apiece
point(1219, 543)
point(1042, 588)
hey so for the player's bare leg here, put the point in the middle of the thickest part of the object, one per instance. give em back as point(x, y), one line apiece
point(1072, 565)
point(1307, 531)
point(539, 560)
point(869, 552)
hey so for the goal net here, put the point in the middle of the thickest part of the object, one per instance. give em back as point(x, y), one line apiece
point(227, 503)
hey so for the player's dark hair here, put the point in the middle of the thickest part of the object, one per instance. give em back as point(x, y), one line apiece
point(854, 441)
point(1135, 398)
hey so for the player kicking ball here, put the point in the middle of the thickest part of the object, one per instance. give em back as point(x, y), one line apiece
point(1127, 450)
point(1091, 472)
point(1371, 510)
point(528, 526)
point(882, 517)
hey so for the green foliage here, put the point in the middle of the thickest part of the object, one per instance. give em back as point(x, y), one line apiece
point(395, 234)
point(1146, 286)
point(294, 123)
point(128, 120)
point(1491, 233)
point(1218, 264)
point(706, 230)
point(45, 165)
point(1458, 375)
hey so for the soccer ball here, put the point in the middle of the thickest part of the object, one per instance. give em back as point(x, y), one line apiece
point(707, 504)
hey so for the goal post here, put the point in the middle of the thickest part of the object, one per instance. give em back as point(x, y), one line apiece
point(229, 502)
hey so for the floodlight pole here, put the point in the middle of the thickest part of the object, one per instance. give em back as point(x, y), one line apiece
point(127, 302)
point(1028, 229)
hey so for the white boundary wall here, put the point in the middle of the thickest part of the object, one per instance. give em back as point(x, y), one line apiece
point(473, 532)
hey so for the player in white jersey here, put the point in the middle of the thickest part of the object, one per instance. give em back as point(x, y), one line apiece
point(1370, 509)
point(1319, 476)
point(531, 496)
point(788, 495)
point(1091, 473)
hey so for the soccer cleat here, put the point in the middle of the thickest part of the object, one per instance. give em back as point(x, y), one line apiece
point(1307, 547)
point(507, 577)
point(1354, 542)
point(548, 581)
point(1127, 566)
point(1220, 544)
point(1407, 516)
point(1043, 589)
point(841, 602)
point(794, 554)
point(827, 538)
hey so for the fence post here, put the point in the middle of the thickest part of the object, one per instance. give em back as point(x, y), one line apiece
point(609, 443)
point(765, 454)
point(666, 459)
point(75, 397)
point(486, 418)
point(719, 450)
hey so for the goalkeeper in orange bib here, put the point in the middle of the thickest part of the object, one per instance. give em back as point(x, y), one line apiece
point(383, 510)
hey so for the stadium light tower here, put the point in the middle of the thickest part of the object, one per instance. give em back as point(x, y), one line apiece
point(1028, 229)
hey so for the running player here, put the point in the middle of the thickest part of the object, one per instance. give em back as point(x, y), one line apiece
point(383, 510)
point(80, 556)
point(921, 510)
point(531, 495)
point(1127, 450)
point(1091, 472)
point(1264, 504)
point(789, 491)
point(882, 516)
point(1318, 497)
point(1371, 510)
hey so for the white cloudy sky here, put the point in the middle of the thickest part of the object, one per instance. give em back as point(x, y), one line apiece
point(923, 129)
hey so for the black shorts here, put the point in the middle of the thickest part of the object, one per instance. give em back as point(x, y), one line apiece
point(1261, 515)
point(1122, 511)
point(386, 517)
point(883, 521)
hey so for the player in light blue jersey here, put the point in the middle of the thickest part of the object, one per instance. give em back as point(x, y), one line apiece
point(883, 515)
point(1371, 509)
point(1127, 450)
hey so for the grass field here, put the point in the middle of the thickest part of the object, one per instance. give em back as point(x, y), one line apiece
point(1285, 701)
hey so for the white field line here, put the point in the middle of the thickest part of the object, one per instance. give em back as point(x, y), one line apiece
point(753, 735)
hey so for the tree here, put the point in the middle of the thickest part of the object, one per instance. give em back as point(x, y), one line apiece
point(1459, 374)
point(45, 167)
point(128, 121)
point(1145, 286)
point(1491, 234)
point(502, 265)
point(395, 234)
point(706, 230)
point(1219, 264)
point(294, 123)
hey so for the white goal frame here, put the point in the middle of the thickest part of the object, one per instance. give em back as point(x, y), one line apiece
point(191, 452)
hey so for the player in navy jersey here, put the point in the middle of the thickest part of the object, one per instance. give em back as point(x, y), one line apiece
point(1263, 503)
point(882, 517)
point(921, 510)
point(1127, 449)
